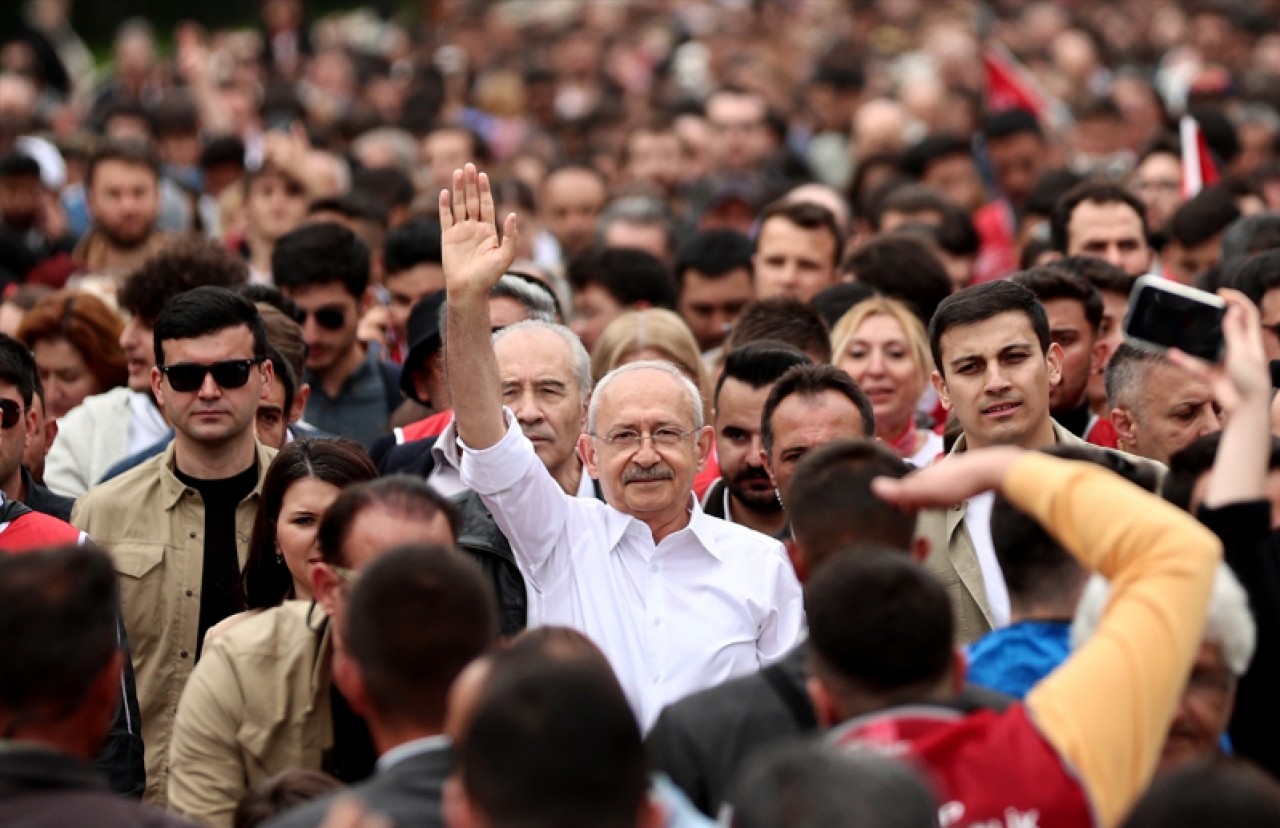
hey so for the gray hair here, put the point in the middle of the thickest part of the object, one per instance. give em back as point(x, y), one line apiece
point(1127, 372)
point(636, 209)
point(537, 303)
point(581, 360)
point(399, 142)
point(1248, 235)
point(1229, 623)
point(691, 390)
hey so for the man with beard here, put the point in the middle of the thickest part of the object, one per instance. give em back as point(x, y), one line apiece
point(31, 227)
point(123, 187)
point(744, 494)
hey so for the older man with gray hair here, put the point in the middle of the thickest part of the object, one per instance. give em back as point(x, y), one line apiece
point(677, 601)
point(1157, 408)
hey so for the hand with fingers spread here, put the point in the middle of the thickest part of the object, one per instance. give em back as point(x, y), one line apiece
point(950, 481)
point(1243, 377)
point(474, 257)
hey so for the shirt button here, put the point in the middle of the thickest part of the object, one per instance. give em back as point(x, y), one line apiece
point(183, 653)
point(189, 593)
point(192, 535)
point(654, 567)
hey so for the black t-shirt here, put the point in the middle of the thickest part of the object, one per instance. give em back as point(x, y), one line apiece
point(353, 756)
point(220, 570)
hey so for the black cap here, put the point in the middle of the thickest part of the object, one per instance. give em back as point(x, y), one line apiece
point(423, 330)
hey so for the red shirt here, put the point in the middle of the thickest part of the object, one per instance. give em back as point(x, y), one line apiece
point(35, 530)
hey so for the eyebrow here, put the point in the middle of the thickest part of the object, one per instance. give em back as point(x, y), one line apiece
point(1012, 346)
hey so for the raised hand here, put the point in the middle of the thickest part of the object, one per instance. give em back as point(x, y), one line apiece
point(950, 480)
point(474, 258)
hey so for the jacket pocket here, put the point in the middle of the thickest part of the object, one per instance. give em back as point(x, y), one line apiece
point(142, 594)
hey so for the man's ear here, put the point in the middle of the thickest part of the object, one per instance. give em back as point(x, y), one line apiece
point(587, 451)
point(1098, 356)
point(31, 426)
point(706, 439)
point(1054, 357)
point(824, 704)
point(157, 386)
point(268, 369)
point(300, 398)
point(458, 812)
point(1126, 426)
point(50, 433)
point(940, 385)
point(325, 584)
point(768, 468)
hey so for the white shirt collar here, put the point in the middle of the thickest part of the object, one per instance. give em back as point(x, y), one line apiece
point(410, 749)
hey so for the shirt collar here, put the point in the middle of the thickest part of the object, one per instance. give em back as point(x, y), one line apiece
point(410, 749)
point(173, 489)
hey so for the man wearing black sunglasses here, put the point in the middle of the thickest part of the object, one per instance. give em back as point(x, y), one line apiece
point(178, 525)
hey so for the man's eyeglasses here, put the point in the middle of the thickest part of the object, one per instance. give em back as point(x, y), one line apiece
point(10, 413)
point(189, 376)
point(330, 317)
point(629, 439)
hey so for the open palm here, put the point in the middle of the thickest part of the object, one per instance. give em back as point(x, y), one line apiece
point(474, 258)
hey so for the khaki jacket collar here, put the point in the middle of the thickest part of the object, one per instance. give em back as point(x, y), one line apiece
point(172, 489)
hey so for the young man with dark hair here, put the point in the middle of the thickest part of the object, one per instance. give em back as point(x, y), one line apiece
point(411, 261)
point(122, 185)
point(180, 561)
point(789, 321)
point(108, 427)
point(1016, 147)
point(19, 426)
point(714, 278)
point(901, 268)
point(1101, 219)
point(30, 229)
point(58, 703)
point(324, 268)
point(228, 735)
point(570, 201)
point(610, 281)
point(944, 161)
point(1195, 234)
point(1114, 285)
point(1259, 280)
point(1157, 181)
point(744, 493)
point(275, 202)
point(419, 615)
point(798, 248)
point(1074, 310)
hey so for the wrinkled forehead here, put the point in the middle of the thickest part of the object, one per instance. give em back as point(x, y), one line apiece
point(645, 397)
point(535, 353)
point(987, 337)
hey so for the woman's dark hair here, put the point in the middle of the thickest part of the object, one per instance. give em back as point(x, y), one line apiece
point(266, 580)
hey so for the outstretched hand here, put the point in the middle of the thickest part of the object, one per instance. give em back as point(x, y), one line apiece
point(1243, 375)
point(950, 481)
point(474, 258)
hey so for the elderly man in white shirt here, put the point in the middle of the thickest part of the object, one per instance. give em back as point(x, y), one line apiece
point(677, 600)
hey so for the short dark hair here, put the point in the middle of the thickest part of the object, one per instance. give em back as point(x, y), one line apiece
point(1103, 275)
point(1203, 216)
point(385, 186)
point(714, 253)
point(321, 253)
point(783, 320)
point(830, 504)
point(629, 275)
point(1093, 191)
point(1196, 459)
point(260, 294)
point(282, 792)
point(18, 165)
point(412, 243)
point(400, 494)
point(917, 158)
point(283, 374)
point(553, 743)
point(18, 368)
point(207, 310)
point(981, 302)
point(807, 215)
point(833, 302)
point(810, 381)
point(1209, 791)
point(878, 620)
point(1009, 123)
point(759, 364)
point(131, 151)
point(1250, 235)
point(1258, 275)
point(182, 265)
point(66, 595)
point(905, 197)
point(222, 149)
point(266, 582)
point(1048, 190)
point(1053, 281)
point(417, 617)
point(355, 206)
point(902, 268)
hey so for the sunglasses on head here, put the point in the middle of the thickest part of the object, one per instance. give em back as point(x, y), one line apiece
point(189, 376)
point(10, 413)
point(330, 317)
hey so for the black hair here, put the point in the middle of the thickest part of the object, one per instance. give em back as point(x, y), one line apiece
point(386, 186)
point(356, 206)
point(957, 234)
point(784, 320)
point(859, 194)
point(1203, 216)
point(400, 494)
point(981, 302)
point(833, 302)
point(59, 621)
point(417, 617)
point(18, 368)
point(1053, 281)
point(182, 265)
point(412, 243)
point(129, 151)
point(831, 506)
point(917, 158)
point(321, 253)
point(259, 293)
point(759, 364)
point(1104, 276)
point(1187, 466)
point(1009, 123)
point(903, 268)
point(1094, 191)
point(1214, 791)
point(1258, 275)
point(1250, 235)
point(810, 381)
point(806, 215)
point(1218, 131)
point(284, 375)
point(207, 310)
point(905, 197)
point(714, 253)
point(630, 276)
point(222, 149)
point(18, 165)
point(880, 621)
point(1048, 190)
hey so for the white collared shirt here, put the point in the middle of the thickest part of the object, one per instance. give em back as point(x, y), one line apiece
point(146, 425)
point(710, 602)
point(410, 749)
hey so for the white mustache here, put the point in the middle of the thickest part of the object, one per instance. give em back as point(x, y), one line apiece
point(638, 474)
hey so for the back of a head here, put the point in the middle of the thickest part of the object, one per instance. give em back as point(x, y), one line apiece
point(284, 335)
point(417, 617)
point(878, 623)
point(783, 320)
point(917, 158)
point(398, 494)
point(903, 268)
point(629, 275)
point(206, 310)
point(830, 504)
point(1202, 217)
point(1258, 275)
point(1104, 276)
point(714, 253)
point(982, 302)
point(412, 243)
point(1250, 235)
point(759, 364)
point(1093, 191)
point(808, 785)
point(184, 264)
point(58, 617)
point(1209, 792)
point(320, 253)
point(280, 793)
point(1010, 122)
point(834, 302)
point(553, 744)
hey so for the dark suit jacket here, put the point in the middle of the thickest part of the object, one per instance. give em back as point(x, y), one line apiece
point(47, 789)
point(408, 794)
point(40, 499)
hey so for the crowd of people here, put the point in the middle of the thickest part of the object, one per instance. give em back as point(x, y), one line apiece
point(639, 413)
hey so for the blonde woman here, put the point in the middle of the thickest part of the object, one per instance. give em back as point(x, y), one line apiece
point(883, 346)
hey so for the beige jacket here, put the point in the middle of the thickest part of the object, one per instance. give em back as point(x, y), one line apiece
point(953, 560)
point(153, 526)
point(256, 704)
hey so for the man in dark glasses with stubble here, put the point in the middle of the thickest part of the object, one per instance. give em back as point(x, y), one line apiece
point(178, 525)
point(324, 268)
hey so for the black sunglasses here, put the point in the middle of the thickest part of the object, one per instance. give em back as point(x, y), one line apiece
point(330, 317)
point(10, 413)
point(189, 376)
